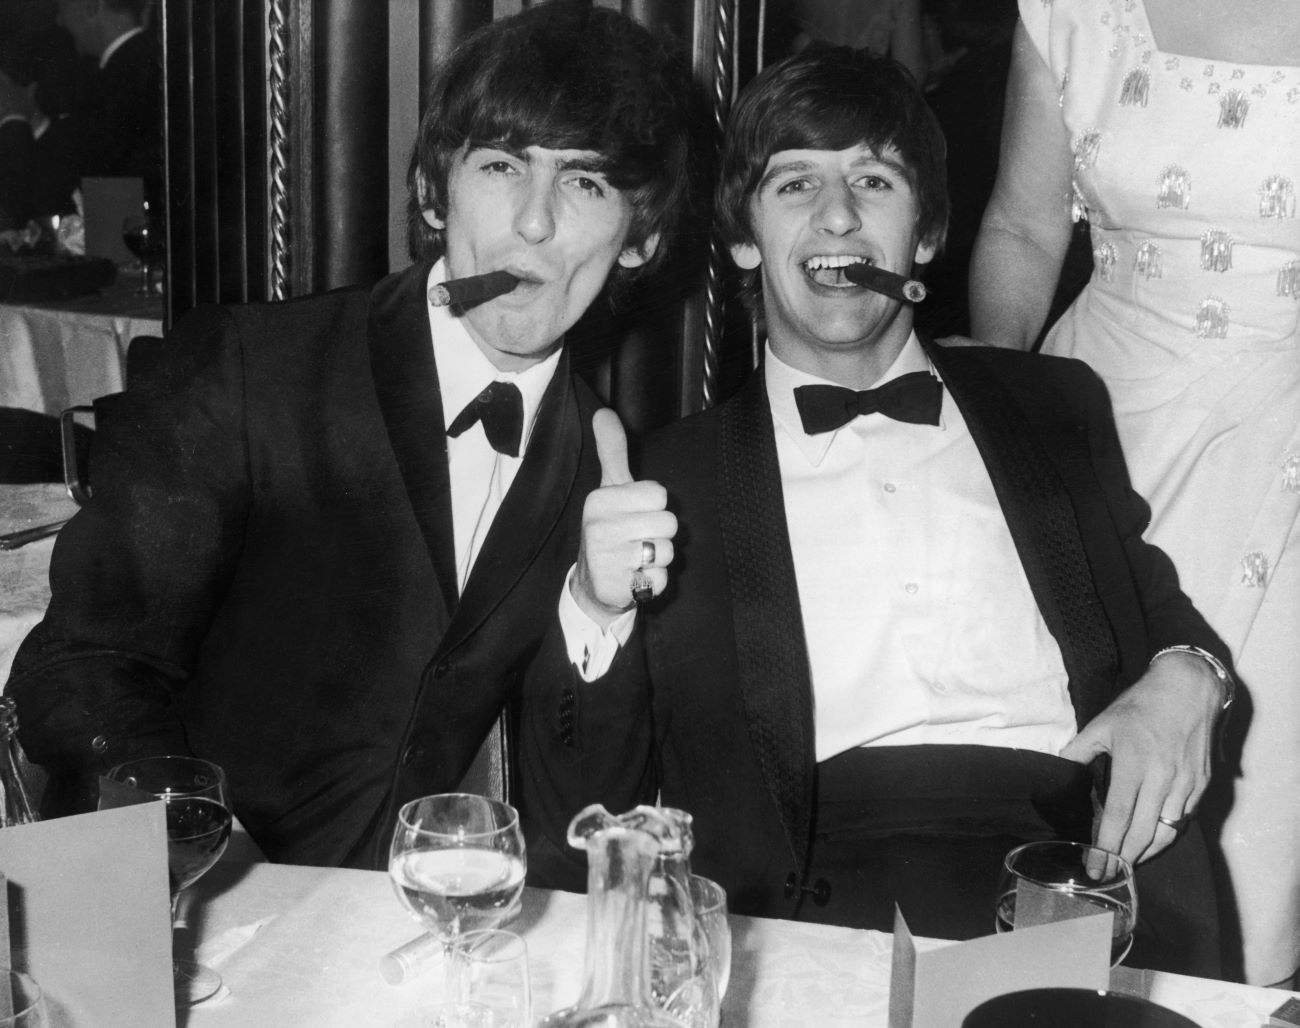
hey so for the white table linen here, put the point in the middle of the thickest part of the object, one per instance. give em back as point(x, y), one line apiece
point(301, 946)
point(57, 354)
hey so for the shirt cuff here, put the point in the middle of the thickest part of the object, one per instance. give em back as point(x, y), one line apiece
point(591, 648)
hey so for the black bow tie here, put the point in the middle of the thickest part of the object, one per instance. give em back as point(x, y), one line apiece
point(501, 409)
point(915, 398)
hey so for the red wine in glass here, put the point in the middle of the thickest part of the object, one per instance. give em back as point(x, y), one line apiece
point(144, 237)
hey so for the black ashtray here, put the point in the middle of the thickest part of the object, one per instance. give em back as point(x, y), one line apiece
point(1072, 1008)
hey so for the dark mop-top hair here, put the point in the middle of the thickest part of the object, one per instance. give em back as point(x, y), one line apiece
point(565, 76)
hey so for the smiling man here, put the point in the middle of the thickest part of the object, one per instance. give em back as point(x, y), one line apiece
point(327, 535)
point(909, 606)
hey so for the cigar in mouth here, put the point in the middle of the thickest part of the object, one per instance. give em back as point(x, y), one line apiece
point(471, 291)
point(897, 287)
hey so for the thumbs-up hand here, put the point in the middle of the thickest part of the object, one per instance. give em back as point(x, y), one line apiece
point(623, 523)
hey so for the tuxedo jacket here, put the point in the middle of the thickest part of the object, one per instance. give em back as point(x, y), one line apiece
point(711, 703)
point(265, 574)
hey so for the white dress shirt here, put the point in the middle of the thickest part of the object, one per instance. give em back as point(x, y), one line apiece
point(480, 477)
point(920, 623)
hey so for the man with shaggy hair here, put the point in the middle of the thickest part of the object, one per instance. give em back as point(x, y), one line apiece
point(327, 535)
point(909, 620)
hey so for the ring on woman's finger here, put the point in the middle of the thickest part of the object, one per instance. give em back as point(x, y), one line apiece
point(1176, 823)
point(647, 553)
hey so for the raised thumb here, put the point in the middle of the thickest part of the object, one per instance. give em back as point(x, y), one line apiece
point(611, 447)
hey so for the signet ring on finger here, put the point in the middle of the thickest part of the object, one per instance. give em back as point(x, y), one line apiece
point(642, 590)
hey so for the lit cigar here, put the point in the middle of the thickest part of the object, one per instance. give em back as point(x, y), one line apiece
point(476, 289)
point(906, 290)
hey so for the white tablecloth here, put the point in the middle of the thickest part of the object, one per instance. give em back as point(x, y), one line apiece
point(25, 572)
point(301, 946)
point(56, 355)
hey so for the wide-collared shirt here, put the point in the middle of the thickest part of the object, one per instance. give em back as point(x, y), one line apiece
point(920, 624)
point(480, 477)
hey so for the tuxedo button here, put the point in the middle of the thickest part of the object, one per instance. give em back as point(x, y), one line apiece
point(440, 671)
point(911, 588)
point(99, 745)
point(410, 754)
point(889, 487)
point(791, 885)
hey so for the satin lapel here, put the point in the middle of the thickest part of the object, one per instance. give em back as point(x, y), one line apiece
point(406, 383)
point(775, 680)
point(532, 506)
point(1043, 526)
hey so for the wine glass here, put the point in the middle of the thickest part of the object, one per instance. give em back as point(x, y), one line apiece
point(143, 235)
point(457, 864)
point(710, 902)
point(198, 828)
point(1046, 882)
point(492, 968)
point(22, 1005)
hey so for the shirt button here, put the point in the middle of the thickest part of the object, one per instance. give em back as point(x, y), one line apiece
point(99, 744)
point(911, 588)
point(889, 487)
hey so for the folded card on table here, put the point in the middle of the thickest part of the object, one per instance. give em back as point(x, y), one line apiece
point(937, 988)
point(89, 915)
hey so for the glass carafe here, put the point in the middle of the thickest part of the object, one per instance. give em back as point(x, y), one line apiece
point(621, 854)
point(16, 808)
point(681, 981)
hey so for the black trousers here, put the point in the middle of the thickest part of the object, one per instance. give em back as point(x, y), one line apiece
point(927, 828)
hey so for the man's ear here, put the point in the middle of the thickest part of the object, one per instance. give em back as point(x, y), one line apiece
point(746, 256)
point(427, 197)
point(925, 253)
point(635, 256)
point(927, 248)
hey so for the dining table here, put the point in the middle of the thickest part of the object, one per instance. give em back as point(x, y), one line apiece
point(303, 946)
point(60, 353)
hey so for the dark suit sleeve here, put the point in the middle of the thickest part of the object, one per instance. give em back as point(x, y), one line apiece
point(138, 573)
point(581, 743)
point(1171, 619)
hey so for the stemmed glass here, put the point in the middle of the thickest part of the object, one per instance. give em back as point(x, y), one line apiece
point(457, 863)
point(710, 902)
point(143, 235)
point(198, 828)
point(21, 1003)
point(494, 983)
point(1046, 882)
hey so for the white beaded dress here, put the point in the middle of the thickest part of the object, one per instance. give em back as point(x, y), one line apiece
point(1187, 170)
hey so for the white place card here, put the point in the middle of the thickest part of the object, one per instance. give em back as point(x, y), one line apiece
point(90, 916)
point(937, 988)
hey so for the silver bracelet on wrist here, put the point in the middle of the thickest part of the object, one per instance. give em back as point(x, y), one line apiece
point(1216, 665)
